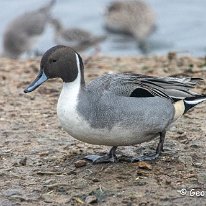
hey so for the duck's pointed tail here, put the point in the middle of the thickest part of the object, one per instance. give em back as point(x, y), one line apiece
point(182, 106)
point(191, 102)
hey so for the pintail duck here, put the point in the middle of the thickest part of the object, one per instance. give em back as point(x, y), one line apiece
point(78, 39)
point(134, 17)
point(21, 33)
point(115, 109)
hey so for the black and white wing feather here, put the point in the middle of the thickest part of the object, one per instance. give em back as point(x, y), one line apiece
point(135, 85)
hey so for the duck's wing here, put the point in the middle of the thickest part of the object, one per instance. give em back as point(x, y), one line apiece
point(135, 85)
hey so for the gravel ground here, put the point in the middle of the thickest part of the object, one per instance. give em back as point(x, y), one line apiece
point(40, 163)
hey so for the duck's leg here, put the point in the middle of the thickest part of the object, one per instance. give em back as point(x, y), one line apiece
point(110, 157)
point(144, 47)
point(155, 155)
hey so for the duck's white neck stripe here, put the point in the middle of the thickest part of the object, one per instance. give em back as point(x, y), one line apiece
point(78, 64)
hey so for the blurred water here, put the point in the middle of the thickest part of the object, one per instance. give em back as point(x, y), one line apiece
point(181, 24)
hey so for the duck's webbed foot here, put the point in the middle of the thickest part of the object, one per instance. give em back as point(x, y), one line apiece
point(153, 156)
point(110, 157)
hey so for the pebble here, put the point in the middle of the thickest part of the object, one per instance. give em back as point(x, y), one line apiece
point(90, 199)
point(50, 181)
point(20, 162)
point(201, 177)
point(142, 173)
point(196, 144)
point(47, 198)
point(23, 161)
point(80, 163)
point(143, 165)
point(168, 182)
point(197, 164)
point(95, 180)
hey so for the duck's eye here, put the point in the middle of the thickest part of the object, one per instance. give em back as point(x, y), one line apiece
point(52, 60)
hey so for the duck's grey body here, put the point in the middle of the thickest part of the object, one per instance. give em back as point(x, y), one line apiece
point(98, 119)
point(115, 109)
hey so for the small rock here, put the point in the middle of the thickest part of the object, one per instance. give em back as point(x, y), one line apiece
point(197, 164)
point(142, 173)
point(140, 182)
point(72, 172)
point(90, 199)
point(168, 182)
point(180, 132)
point(196, 144)
point(143, 165)
point(20, 162)
point(50, 181)
point(23, 161)
point(201, 177)
point(95, 180)
point(127, 202)
point(47, 198)
point(43, 154)
point(80, 163)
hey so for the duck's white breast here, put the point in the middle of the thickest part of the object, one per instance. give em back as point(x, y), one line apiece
point(79, 128)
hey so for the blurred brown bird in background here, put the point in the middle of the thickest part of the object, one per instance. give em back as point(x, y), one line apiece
point(21, 34)
point(77, 38)
point(133, 17)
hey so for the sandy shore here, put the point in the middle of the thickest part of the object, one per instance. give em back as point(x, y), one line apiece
point(38, 158)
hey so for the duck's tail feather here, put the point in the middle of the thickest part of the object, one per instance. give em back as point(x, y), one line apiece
point(190, 102)
point(183, 105)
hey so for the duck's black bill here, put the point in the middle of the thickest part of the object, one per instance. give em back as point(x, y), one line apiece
point(41, 78)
